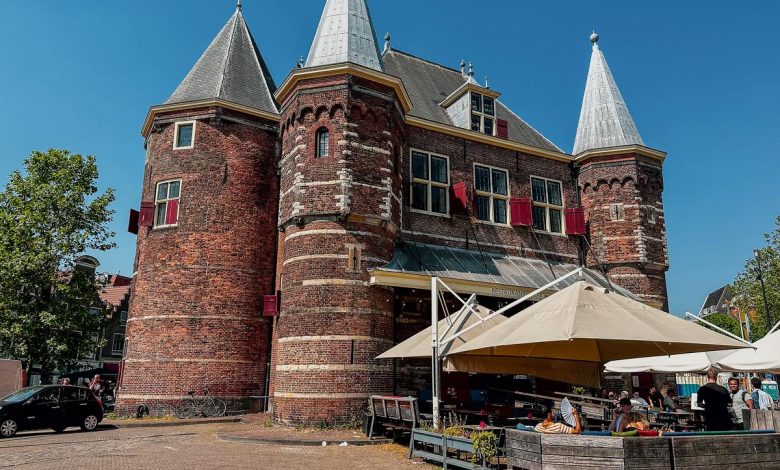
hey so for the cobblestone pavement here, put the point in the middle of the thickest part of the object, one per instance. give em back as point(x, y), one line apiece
point(183, 447)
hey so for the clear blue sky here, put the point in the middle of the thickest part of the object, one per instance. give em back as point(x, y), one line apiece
point(702, 80)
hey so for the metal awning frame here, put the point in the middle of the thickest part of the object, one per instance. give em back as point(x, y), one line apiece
point(436, 343)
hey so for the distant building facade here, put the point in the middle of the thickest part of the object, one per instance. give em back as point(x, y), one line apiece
point(341, 192)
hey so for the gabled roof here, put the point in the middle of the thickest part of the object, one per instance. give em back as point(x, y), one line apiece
point(715, 301)
point(232, 70)
point(604, 118)
point(345, 34)
point(428, 84)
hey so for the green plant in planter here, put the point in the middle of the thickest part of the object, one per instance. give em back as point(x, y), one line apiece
point(485, 446)
point(454, 431)
point(578, 390)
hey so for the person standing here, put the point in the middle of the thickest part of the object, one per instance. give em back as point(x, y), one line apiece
point(96, 386)
point(715, 400)
point(761, 399)
point(740, 400)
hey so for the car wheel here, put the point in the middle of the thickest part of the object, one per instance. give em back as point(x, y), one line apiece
point(89, 423)
point(59, 429)
point(8, 428)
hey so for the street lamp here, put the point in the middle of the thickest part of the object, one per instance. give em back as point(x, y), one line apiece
point(757, 254)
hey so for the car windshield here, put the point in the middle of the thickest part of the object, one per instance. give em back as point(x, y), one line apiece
point(21, 395)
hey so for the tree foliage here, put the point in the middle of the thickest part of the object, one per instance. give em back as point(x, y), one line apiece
point(747, 288)
point(49, 215)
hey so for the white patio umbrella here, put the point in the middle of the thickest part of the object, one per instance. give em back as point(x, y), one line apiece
point(691, 362)
point(765, 358)
point(580, 327)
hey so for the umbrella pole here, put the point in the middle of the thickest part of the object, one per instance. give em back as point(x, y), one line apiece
point(435, 373)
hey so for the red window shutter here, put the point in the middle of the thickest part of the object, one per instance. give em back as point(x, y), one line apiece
point(146, 216)
point(502, 129)
point(520, 210)
point(172, 212)
point(270, 307)
point(132, 224)
point(575, 221)
point(459, 198)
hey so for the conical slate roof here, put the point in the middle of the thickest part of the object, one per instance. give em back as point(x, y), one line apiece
point(231, 69)
point(345, 34)
point(604, 119)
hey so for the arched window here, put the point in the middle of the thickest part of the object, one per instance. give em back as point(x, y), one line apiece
point(322, 142)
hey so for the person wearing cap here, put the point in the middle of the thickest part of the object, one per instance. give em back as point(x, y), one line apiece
point(624, 408)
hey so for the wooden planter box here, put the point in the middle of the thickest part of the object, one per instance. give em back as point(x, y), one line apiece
point(534, 451)
point(750, 451)
point(437, 447)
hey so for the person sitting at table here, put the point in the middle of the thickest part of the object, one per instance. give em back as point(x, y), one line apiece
point(639, 401)
point(620, 422)
point(655, 398)
point(549, 426)
point(636, 421)
point(668, 402)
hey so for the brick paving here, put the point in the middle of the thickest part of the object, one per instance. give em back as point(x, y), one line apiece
point(189, 447)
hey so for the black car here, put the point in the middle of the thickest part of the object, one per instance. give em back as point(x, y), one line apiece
point(49, 406)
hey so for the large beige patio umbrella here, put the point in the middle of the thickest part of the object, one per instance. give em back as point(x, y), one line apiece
point(691, 362)
point(419, 345)
point(569, 335)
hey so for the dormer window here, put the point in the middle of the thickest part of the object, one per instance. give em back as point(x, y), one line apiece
point(483, 111)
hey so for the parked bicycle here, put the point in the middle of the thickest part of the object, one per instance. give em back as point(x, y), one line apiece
point(207, 406)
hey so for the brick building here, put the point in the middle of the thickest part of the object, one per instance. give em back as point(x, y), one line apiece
point(344, 190)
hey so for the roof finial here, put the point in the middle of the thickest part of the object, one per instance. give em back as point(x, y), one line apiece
point(387, 42)
point(238, 5)
point(471, 69)
point(487, 85)
point(594, 38)
point(299, 64)
point(463, 67)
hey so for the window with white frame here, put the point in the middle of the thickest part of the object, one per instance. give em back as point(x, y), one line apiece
point(167, 203)
point(430, 182)
point(548, 204)
point(184, 135)
point(483, 112)
point(492, 194)
point(118, 344)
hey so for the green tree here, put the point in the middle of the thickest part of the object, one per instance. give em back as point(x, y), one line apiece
point(50, 214)
point(747, 288)
point(725, 321)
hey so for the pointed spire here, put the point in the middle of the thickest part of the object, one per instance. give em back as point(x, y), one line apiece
point(604, 120)
point(345, 34)
point(231, 69)
point(463, 67)
point(238, 4)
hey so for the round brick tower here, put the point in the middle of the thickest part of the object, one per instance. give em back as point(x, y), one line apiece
point(341, 135)
point(206, 245)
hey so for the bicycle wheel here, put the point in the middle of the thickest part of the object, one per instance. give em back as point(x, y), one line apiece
point(215, 407)
point(185, 409)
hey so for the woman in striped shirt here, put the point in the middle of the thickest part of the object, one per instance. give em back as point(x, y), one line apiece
point(549, 426)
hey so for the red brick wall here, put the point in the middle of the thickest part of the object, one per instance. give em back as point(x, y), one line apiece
point(633, 250)
point(458, 229)
point(195, 315)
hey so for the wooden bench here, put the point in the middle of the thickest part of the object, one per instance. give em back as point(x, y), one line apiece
point(393, 413)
